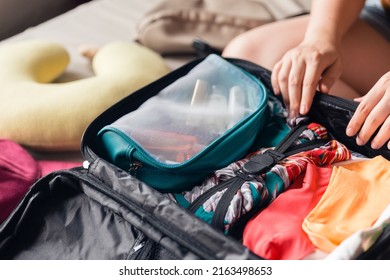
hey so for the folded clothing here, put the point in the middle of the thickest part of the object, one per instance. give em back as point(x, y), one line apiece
point(276, 232)
point(356, 196)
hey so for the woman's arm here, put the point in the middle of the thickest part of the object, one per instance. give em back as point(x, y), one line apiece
point(331, 19)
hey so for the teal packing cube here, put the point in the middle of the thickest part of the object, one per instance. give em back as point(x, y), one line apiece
point(201, 122)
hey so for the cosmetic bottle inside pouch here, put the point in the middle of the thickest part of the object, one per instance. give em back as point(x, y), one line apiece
point(202, 121)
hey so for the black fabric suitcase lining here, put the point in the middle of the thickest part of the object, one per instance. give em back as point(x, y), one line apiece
point(104, 213)
point(74, 215)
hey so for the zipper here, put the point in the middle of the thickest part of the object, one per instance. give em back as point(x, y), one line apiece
point(86, 164)
point(147, 249)
point(262, 163)
point(126, 105)
point(139, 243)
point(218, 219)
point(146, 157)
point(306, 146)
point(235, 183)
point(265, 74)
point(336, 101)
point(88, 147)
point(209, 193)
point(291, 137)
point(160, 225)
point(134, 167)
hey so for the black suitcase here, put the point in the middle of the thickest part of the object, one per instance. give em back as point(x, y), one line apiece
point(100, 211)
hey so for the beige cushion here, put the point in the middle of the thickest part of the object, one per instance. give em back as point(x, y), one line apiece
point(171, 26)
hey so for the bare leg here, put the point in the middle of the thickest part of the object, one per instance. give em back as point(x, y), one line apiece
point(366, 56)
point(265, 45)
point(365, 53)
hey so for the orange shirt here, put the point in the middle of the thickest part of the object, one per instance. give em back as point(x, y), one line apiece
point(356, 196)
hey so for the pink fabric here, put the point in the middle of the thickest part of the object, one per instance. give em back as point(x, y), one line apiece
point(18, 172)
point(276, 232)
point(49, 166)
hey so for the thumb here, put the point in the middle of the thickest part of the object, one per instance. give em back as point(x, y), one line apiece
point(329, 77)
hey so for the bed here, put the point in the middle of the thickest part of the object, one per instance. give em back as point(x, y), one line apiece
point(95, 23)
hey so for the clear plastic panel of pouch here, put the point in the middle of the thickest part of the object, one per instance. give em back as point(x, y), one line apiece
point(197, 109)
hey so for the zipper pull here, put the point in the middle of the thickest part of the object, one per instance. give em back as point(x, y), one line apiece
point(134, 167)
point(138, 247)
point(86, 164)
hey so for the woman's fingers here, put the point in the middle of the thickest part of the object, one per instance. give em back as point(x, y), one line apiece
point(310, 82)
point(383, 135)
point(298, 74)
point(330, 76)
point(372, 112)
point(375, 118)
point(274, 77)
point(295, 80)
point(359, 117)
point(358, 99)
point(282, 81)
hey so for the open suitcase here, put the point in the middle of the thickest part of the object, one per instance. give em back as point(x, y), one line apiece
point(101, 211)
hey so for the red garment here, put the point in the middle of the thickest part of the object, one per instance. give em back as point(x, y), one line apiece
point(276, 232)
point(18, 171)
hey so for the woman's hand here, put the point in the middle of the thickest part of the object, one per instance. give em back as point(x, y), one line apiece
point(312, 64)
point(372, 112)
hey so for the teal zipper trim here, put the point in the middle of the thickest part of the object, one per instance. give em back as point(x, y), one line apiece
point(146, 157)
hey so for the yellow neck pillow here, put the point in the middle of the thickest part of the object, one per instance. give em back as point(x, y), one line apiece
point(52, 117)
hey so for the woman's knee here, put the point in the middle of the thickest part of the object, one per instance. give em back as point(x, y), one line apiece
point(251, 45)
point(266, 44)
point(240, 47)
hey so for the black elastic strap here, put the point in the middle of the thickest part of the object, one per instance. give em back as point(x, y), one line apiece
point(263, 162)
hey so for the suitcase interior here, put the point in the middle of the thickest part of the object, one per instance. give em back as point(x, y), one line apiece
point(102, 212)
